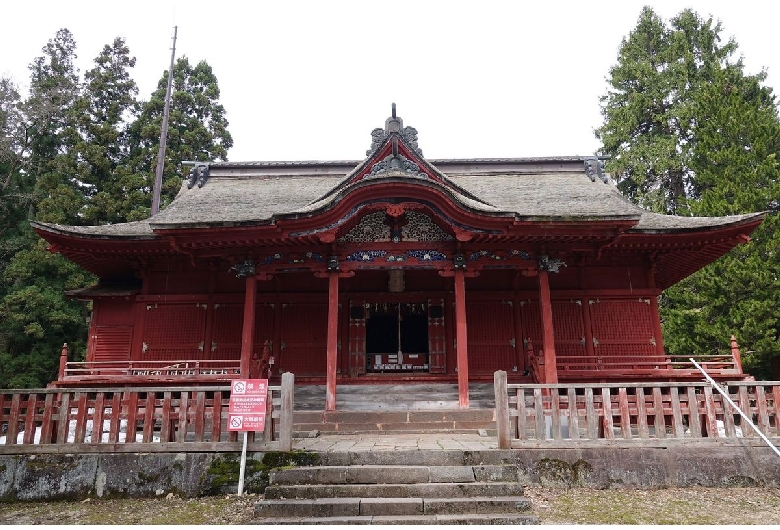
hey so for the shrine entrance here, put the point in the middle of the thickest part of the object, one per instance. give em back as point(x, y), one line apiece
point(397, 337)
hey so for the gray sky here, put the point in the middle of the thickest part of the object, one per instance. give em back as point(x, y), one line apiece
point(309, 80)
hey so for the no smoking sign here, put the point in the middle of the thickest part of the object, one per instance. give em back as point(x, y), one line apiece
point(246, 411)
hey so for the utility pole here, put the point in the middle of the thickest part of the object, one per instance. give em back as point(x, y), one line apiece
point(158, 174)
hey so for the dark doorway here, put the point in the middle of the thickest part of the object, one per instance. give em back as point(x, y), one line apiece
point(382, 334)
point(414, 334)
point(391, 323)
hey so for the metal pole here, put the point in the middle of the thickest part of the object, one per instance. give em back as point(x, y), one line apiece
point(717, 387)
point(158, 173)
point(243, 468)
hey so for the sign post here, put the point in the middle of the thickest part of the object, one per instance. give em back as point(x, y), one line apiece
point(246, 412)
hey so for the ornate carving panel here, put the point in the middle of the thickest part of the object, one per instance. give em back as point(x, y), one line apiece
point(377, 228)
point(421, 227)
point(371, 228)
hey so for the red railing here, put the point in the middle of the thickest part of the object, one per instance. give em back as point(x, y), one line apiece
point(177, 419)
point(580, 368)
point(84, 371)
point(634, 411)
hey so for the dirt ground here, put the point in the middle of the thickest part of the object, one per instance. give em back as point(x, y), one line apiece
point(553, 506)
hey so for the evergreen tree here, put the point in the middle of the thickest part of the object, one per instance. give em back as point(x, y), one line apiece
point(104, 109)
point(54, 89)
point(690, 133)
point(35, 317)
point(649, 111)
point(77, 154)
point(197, 130)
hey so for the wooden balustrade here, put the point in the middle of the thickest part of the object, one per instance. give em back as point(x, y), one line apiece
point(175, 419)
point(85, 370)
point(633, 411)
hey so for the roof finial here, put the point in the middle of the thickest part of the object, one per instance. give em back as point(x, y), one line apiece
point(394, 124)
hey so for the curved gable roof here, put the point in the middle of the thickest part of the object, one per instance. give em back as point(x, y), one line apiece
point(551, 189)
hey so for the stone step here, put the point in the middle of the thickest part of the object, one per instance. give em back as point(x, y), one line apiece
point(353, 422)
point(381, 474)
point(406, 396)
point(387, 506)
point(413, 457)
point(428, 489)
point(462, 519)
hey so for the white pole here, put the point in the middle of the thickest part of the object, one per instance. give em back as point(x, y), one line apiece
point(243, 468)
point(717, 387)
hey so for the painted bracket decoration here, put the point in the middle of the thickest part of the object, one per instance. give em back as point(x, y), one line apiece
point(366, 255)
point(245, 268)
point(426, 255)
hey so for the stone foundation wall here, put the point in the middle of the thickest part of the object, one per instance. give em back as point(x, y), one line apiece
point(78, 476)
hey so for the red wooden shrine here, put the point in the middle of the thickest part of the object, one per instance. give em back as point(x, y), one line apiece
point(394, 268)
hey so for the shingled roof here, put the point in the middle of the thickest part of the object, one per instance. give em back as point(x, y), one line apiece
point(527, 189)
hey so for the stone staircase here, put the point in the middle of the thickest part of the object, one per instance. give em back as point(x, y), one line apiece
point(389, 493)
point(394, 408)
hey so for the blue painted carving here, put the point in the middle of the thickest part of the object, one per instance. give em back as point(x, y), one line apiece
point(308, 256)
point(396, 258)
point(426, 255)
point(519, 254)
point(485, 254)
point(273, 257)
point(366, 255)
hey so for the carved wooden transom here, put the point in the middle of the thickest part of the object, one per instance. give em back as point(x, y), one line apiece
point(371, 228)
point(379, 227)
point(422, 228)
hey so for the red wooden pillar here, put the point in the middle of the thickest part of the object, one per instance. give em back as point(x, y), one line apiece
point(248, 329)
point(521, 363)
point(735, 354)
point(64, 360)
point(461, 351)
point(332, 343)
point(548, 338)
point(587, 323)
point(655, 314)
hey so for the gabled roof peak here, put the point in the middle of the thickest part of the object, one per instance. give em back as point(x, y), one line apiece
point(394, 125)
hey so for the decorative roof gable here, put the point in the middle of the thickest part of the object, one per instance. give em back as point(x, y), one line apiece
point(395, 153)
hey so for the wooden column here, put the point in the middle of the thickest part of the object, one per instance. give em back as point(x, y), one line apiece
point(520, 360)
point(587, 323)
point(655, 314)
point(248, 329)
point(548, 338)
point(461, 338)
point(332, 342)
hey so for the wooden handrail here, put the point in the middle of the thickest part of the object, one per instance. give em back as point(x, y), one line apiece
point(633, 411)
point(133, 419)
point(83, 370)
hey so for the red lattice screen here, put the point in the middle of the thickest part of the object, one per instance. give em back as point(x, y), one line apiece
point(437, 337)
point(623, 329)
point(226, 337)
point(357, 338)
point(174, 332)
point(304, 335)
point(491, 336)
point(568, 328)
point(264, 326)
point(111, 343)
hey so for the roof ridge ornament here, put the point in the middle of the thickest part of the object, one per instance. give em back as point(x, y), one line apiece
point(595, 167)
point(395, 163)
point(394, 124)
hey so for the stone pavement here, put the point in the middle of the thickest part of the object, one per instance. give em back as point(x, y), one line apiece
point(332, 443)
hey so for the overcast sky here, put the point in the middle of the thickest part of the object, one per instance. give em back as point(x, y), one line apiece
point(309, 80)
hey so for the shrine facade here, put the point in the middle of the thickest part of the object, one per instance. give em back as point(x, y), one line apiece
point(393, 268)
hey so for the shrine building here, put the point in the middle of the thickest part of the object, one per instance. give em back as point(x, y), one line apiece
point(394, 268)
